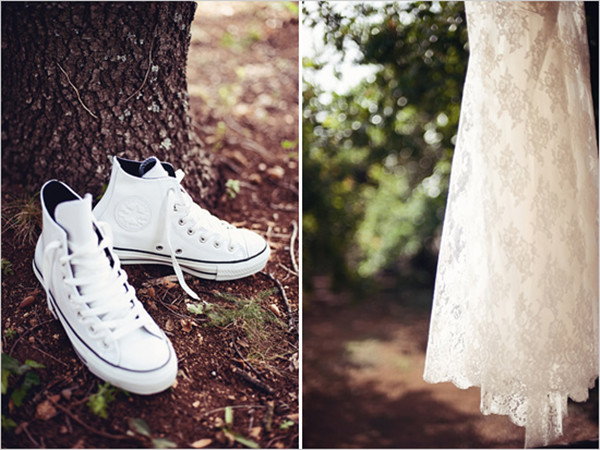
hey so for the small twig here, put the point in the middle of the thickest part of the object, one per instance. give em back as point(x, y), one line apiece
point(118, 437)
point(147, 70)
point(284, 208)
point(49, 356)
point(37, 445)
point(278, 438)
point(212, 411)
point(175, 313)
point(77, 92)
point(287, 269)
point(254, 381)
point(68, 424)
point(235, 347)
point(21, 336)
point(291, 324)
point(250, 421)
point(292, 240)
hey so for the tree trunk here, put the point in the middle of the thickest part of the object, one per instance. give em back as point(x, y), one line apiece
point(84, 81)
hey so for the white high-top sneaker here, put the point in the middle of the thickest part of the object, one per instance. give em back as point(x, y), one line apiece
point(87, 290)
point(155, 221)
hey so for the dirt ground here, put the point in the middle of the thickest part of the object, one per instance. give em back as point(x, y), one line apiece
point(243, 83)
point(363, 387)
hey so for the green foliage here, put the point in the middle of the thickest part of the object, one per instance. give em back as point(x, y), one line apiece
point(287, 424)
point(141, 427)
point(227, 429)
point(10, 333)
point(7, 267)
point(18, 378)
point(291, 7)
point(265, 334)
point(376, 159)
point(198, 308)
point(242, 311)
point(98, 402)
point(102, 191)
point(7, 423)
point(287, 144)
point(23, 215)
point(232, 187)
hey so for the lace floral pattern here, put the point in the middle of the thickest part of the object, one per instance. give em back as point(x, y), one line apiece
point(516, 297)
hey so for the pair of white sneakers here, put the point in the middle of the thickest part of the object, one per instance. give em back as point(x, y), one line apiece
point(144, 217)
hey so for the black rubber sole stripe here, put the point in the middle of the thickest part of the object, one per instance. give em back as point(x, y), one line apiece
point(192, 259)
point(64, 320)
point(166, 263)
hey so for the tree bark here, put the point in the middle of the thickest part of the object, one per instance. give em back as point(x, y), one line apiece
point(84, 81)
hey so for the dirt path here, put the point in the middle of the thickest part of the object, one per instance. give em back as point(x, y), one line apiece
point(243, 83)
point(363, 386)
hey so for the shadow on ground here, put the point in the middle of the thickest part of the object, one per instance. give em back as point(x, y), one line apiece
point(362, 381)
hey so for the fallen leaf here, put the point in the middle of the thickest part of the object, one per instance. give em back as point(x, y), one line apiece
point(66, 393)
point(45, 410)
point(196, 403)
point(27, 301)
point(295, 417)
point(169, 281)
point(151, 305)
point(276, 172)
point(255, 178)
point(201, 443)
point(239, 157)
point(186, 325)
point(169, 325)
point(255, 433)
point(273, 307)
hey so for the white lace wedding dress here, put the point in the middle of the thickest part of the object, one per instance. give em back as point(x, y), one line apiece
point(515, 307)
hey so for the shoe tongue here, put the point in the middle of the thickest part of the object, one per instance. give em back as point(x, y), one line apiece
point(152, 168)
point(75, 216)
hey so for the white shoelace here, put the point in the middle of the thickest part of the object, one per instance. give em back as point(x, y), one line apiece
point(108, 296)
point(196, 219)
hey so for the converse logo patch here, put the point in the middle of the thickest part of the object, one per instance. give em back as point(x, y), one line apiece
point(133, 213)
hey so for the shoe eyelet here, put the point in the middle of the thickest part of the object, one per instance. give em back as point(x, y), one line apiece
point(179, 251)
point(181, 222)
point(159, 248)
point(190, 232)
point(217, 244)
point(231, 248)
point(92, 329)
point(105, 344)
point(202, 239)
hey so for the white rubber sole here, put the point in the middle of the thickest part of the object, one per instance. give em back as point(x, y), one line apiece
point(143, 382)
point(209, 271)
